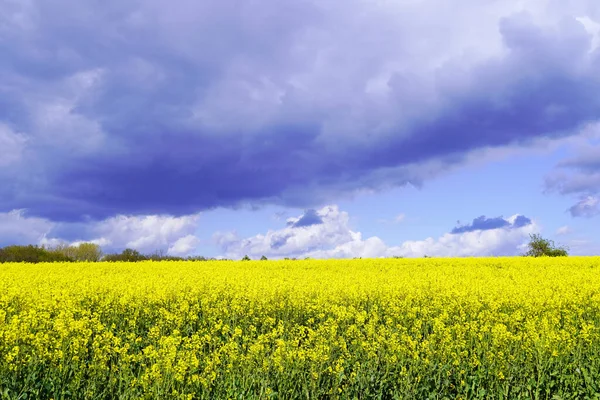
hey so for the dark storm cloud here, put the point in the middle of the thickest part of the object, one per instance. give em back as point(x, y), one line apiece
point(206, 104)
point(482, 223)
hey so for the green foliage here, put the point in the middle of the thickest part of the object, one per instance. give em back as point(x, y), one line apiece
point(540, 247)
point(199, 258)
point(263, 258)
point(161, 255)
point(31, 254)
point(246, 258)
point(89, 252)
point(130, 255)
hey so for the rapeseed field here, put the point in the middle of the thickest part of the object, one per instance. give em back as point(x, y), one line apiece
point(501, 328)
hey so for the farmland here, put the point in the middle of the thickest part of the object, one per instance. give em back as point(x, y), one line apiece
point(372, 328)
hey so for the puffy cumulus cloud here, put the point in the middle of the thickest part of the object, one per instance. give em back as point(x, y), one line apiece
point(293, 239)
point(148, 233)
point(16, 227)
point(184, 246)
point(176, 108)
point(506, 240)
point(334, 238)
point(176, 235)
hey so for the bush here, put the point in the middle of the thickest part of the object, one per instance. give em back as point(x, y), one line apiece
point(31, 254)
point(130, 255)
point(160, 255)
point(83, 252)
point(198, 258)
point(540, 247)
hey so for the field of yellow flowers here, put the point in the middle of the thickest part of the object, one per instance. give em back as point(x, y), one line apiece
point(372, 328)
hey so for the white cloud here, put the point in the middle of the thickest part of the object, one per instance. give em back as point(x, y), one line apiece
point(184, 246)
point(334, 239)
point(500, 241)
point(563, 230)
point(587, 207)
point(334, 230)
point(579, 174)
point(102, 242)
point(143, 233)
point(12, 145)
point(147, 233)
point(17, 228)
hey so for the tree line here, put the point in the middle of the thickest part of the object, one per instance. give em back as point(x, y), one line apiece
point(90, 252)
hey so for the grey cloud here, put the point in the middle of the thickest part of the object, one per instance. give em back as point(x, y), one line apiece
point(146, 108)
point(578, 175)
point(587, 207)
point(482, 223)
point(310, 217)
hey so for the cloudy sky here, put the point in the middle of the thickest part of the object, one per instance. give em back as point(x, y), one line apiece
point(299, 128)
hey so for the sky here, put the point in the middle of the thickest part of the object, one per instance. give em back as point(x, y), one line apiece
point(324, 129)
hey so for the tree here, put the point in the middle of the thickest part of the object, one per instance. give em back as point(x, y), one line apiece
point(198, 258)
point(81, 252)
point(31, 254)
point(263, 258)
point(129, 255)
point(540, 247)
point(161, 255)
point(246, 258)
point(88, 252)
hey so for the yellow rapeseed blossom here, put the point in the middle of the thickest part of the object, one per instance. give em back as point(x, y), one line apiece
point(385, 328)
